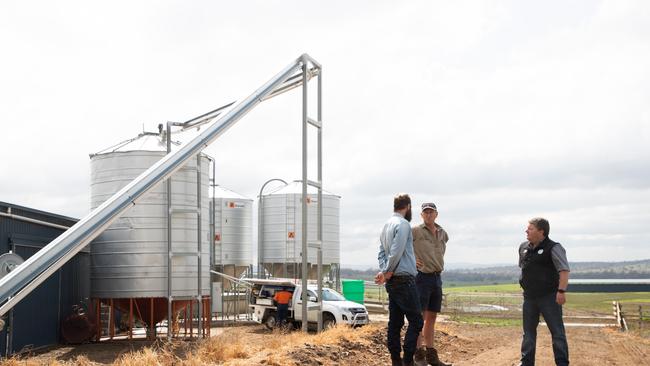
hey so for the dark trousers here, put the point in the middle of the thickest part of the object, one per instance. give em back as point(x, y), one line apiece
point(552, 313)
point(283, 309)
point(403, 301)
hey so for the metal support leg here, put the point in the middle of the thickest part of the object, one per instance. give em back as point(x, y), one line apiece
point(131, 318)
point(98, 319)
point(169, 234)
point(111, 322)
point(306, 122)
point(185, 322)
point(199, 270)
point(152, 326)
point(304, 228)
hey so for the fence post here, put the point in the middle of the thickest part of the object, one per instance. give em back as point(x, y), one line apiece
point(640, 317)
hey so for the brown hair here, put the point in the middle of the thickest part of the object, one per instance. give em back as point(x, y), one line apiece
point(401, 201)
point(541, 224)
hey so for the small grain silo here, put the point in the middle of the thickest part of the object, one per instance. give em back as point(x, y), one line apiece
point(129, 259)
point(281, 236)
point(233, 231)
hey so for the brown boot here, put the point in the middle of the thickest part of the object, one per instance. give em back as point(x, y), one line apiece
point(432, 358)
point(419, 359)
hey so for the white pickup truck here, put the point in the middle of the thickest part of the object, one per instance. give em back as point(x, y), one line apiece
point(336, 309)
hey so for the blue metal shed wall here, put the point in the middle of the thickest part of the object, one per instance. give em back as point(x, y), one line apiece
point(37, 318)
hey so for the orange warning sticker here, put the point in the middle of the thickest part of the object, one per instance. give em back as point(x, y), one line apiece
point(217, 237)
point(292, 234)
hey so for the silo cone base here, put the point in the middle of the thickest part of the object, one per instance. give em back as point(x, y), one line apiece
point(150, 311)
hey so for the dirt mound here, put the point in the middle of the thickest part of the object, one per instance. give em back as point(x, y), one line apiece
point(369, 348)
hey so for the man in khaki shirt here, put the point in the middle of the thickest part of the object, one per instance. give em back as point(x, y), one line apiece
point(429, 243)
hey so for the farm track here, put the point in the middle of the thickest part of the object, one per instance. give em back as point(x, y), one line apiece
point(462, 344)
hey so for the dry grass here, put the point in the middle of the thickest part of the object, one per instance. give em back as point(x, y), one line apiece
point(146, 357)
point(17, 361)
point(218, 349)
point(340, 332)
point(232, 348)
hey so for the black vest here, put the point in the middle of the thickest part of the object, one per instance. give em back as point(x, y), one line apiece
point(539, 276)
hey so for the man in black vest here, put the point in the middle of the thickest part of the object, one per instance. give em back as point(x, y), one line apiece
point(544, 278)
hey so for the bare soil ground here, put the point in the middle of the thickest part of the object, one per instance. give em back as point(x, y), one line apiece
point(462, 344)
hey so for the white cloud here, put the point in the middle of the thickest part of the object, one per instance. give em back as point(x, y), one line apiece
point(497, 112)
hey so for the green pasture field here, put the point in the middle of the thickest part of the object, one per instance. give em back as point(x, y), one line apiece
point(487, 320)
point(584, 302)
point(599, 302)
point(500, 288)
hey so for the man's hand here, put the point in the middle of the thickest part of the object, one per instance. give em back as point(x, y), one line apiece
point(560, 298)
point(379, 278)
point(418, 263)
point(388, 275)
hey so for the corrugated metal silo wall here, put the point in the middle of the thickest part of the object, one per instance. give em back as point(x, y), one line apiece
point(37, 318)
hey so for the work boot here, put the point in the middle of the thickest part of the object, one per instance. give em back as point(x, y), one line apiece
point(396, 360)
point(432, 358)
point(419, 359)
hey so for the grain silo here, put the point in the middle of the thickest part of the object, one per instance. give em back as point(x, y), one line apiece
point(281, 236)
point(233, 231)
point(129, 259)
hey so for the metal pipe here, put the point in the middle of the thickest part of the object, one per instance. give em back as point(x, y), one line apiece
point(211, 216)
point(131, 318)
point(319, 274)
point(319, 226)
point(152, 326)
point(33, 221)
point(169, 234)
point(304, 253)
point(199, 291)
point(292, 83)
point(212, 230)
point(197, 121)
point(20, 282)
point(260, 228)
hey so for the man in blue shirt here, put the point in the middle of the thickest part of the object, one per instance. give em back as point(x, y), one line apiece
point(397, 270)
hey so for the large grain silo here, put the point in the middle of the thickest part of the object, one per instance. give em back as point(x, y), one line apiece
point(281, 236)
point(233, 231)
point(129, 259)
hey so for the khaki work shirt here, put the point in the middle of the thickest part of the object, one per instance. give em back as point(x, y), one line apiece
point(430, 247)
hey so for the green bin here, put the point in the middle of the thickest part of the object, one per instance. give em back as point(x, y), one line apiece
point(353, 290)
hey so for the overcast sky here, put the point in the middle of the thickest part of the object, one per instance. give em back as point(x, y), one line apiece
point(496, 111)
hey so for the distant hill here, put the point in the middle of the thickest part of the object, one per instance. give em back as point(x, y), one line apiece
point(501, 274)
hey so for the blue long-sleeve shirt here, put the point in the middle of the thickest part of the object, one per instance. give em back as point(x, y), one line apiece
point(396, 249)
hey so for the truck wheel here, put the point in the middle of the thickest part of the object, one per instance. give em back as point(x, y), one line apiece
point(270, 320)
point(328, 321)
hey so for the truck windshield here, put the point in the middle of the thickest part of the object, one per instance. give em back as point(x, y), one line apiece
point(331, 295)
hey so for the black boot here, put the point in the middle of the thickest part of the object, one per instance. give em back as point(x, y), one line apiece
point(432, 358)
point(396, 360)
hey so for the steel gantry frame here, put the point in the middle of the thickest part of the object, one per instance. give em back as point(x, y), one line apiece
point(35, 270)
point(306, 243)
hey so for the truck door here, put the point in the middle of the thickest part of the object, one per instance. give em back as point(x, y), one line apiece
point(312, 311)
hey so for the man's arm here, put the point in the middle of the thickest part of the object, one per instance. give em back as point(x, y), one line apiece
point(418, 261)
point(382, 258)
point(397, 246)
point(383, 263)
point(558, 255)
point(560, 298)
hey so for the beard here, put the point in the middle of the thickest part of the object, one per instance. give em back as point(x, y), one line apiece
point(408, 216)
